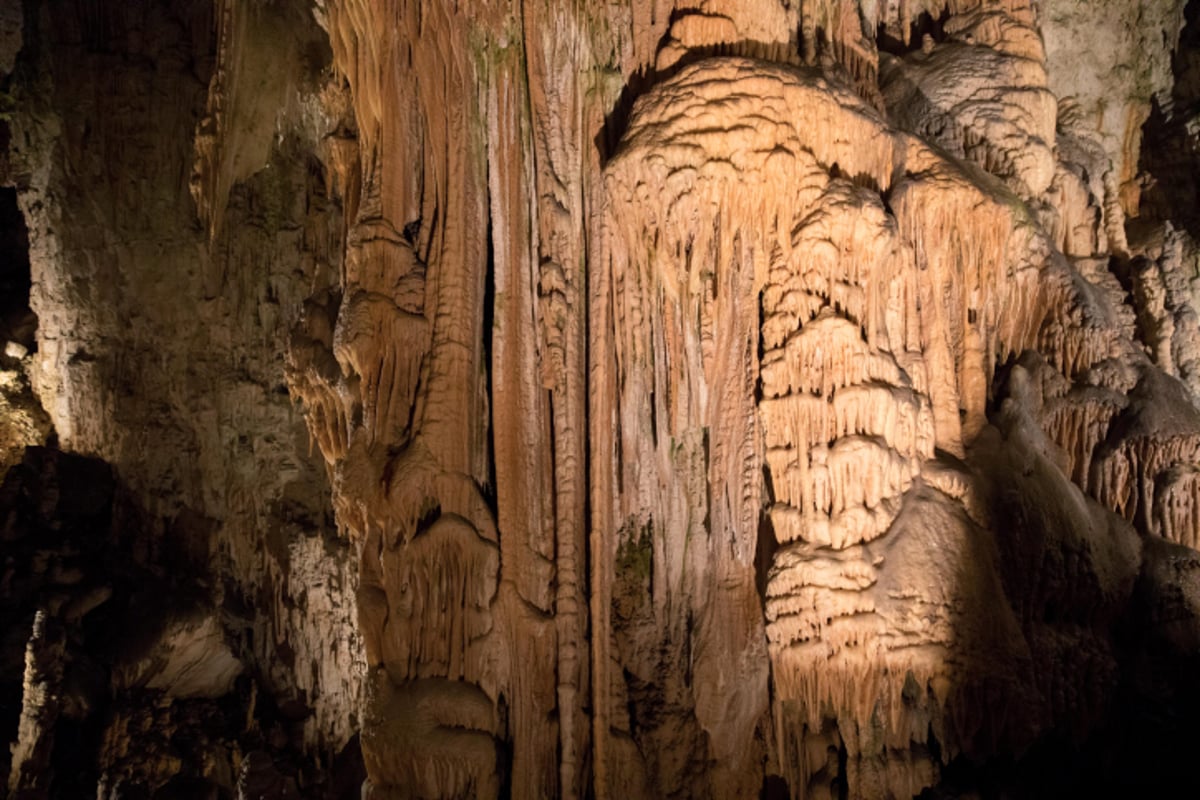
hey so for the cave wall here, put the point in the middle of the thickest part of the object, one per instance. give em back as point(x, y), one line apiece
point(655, 399)
point(158, 345)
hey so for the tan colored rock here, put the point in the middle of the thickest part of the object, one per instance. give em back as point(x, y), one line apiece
point(982, 94)
point(690, 396)
point(191, 659)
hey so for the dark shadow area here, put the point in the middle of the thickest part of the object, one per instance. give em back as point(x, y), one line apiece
point(924, 25)
point(23, 421)
point(87, 599)
point(774, 788)
point(57, 545)
point(764, 552)
point(17, 322)
point(1170, 153)
point(616, 121)
point(1102, 703)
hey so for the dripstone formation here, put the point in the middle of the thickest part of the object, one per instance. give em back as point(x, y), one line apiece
point(628, 399)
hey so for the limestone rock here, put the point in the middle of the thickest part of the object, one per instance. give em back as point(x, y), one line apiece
point(672, 398)
point(190, 660)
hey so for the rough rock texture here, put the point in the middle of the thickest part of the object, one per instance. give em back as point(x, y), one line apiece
point(159, 348)
point(671, 398)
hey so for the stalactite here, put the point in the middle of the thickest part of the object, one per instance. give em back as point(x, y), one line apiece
point(711, 395)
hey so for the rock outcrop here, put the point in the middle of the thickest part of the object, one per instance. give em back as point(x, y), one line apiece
point(651, 399)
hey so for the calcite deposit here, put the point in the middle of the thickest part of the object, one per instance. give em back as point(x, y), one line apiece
point(655, 398)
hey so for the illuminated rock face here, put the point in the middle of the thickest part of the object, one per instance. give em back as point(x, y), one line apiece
point(713, 397)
